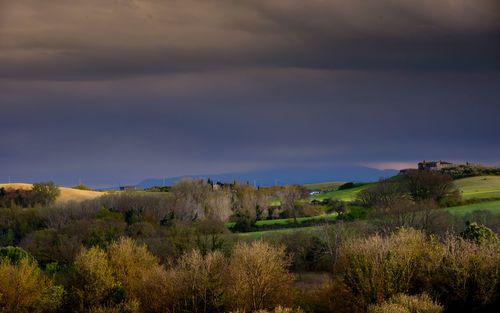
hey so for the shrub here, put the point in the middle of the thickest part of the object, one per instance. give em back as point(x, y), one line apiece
point(244, 222)
point(129, 262)
point(356, 212)
point(14, 255)
point(23, 288)
point(258, 276)
point(346, 186)
point(377, 267)
point(81, 187)
point(93, 283)
point(468, 275)
point(478, 233)
point(200, 280)
point(45, 193)
point(402, 303)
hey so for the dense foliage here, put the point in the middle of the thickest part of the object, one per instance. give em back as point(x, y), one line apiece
point(391, 250)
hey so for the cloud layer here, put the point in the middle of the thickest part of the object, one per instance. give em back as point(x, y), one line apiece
point(122, 90)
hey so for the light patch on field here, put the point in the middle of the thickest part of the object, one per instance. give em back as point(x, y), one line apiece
point(67, 194)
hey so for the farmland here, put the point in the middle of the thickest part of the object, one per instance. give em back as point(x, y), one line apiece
point(344, 195)
point(479, 187)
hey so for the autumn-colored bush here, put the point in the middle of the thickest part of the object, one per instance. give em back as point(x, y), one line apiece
point(402, 303)
point(23, 288)
point(468, 274)
point(258, 276)
point(375, 268)
point(200, 280)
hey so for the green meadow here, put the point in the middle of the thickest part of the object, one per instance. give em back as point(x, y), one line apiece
point(492, 206)
point(289, 221)
point(479, 187)
point(344, 195)
point(325, 186)
point(259, 234)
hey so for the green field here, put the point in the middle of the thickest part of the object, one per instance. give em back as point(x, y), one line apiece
point(289, 221)
point(324, 186)
point(345, 195)
point(479, 187)
point(258, 234)
point(492, 206)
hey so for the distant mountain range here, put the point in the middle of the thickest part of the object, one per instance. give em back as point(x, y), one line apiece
point(286, 176)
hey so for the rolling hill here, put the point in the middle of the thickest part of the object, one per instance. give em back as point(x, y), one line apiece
point(287, 176)
point(67, 194)
point(479, 187)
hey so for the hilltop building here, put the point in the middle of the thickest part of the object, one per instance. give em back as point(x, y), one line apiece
point(429, 165)
point(434, 165)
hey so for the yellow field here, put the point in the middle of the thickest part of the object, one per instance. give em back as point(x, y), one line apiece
point(67, 194)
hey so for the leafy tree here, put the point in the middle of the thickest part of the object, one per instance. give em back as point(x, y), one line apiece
point(258, 276)
point(427, 184)
point(81, 187)
point(478, 233)
point(23, 288)
point(45, 193)
point(289, 196)
point(14, 254)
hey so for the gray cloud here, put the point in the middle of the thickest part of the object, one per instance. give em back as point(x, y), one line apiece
point(116, 91)
point(109, 39)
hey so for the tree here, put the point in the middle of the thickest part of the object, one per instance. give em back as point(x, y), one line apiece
point(23, 288)
point(289, 195)
point(427, 184)
point(258, 276)
point(45, 193)
point(478, 233)
point(81, 187)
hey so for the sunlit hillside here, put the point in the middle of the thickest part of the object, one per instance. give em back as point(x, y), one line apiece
point(67, 194)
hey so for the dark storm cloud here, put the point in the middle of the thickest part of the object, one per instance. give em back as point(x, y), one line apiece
point(108, 39)
point(117, 91)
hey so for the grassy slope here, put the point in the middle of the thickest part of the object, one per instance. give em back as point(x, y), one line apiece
point(472, 187)
point(289, 221)
point(345, 195)
point(492, 206)
point(323, 186)
point(479, 187)
point(67, 194)
point(258, 234)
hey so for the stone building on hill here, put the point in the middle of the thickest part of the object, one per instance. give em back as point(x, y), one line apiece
point(434, 165)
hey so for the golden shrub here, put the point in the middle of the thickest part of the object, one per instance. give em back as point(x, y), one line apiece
point(23, 288)
point(258, 276)
point(402, 303)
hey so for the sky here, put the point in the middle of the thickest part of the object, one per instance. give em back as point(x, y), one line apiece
point(110, 92)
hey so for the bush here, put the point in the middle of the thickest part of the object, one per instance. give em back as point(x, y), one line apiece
point(377, 267)
point(23, 288)
point(258, 277)
point(356, 212)
point(14, 255)
point(346, 186)
point(478, 233)
point(200, 281)
point(45, 193)
point(81, 187)
point(93, 283)
point(402, 303)
point(244, 222)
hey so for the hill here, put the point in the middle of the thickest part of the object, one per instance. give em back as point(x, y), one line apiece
point(287, 176)
point(479, 187)
point(344, 195)
point(325, 186)
point(67, 194)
